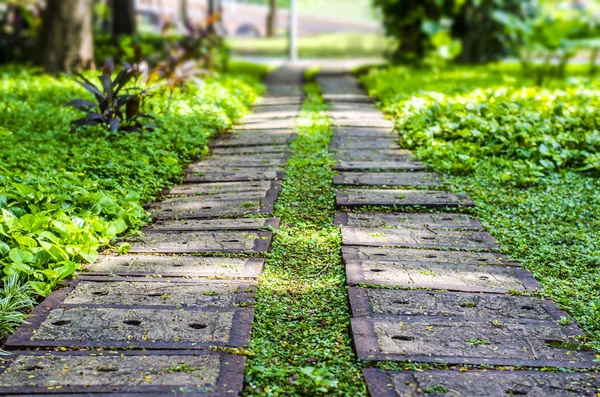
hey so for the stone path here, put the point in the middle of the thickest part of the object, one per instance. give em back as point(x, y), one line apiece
point(430, 287)
point(169, 316)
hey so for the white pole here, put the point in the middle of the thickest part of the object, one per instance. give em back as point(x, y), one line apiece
point(293, 30)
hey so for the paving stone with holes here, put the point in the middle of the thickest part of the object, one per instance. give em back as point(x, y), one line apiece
point(234, 174)
point(373, 122)
point(364, 132)
point(409, 220)
point(144, 372)
point(469, 341)
point(152, 292)
point(384, 197)
point(215, 224)
point(250, 150)
point(475, 383)
point(366, 143)
point(447, 270)
point(389, 254)
point(369, 155)
point(221, 188)
point(176, 266)
point(370, 179)
point(272, 124)
point(388, 178)
point(195, 207)
point(469, 278)
point(386, 302)
point(254, 138)
point(152, 328)
point(245, 162)
point(387, 237)
point(273, 111)
point(202, 242)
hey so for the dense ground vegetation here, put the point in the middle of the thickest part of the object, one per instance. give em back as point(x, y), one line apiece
point(65, 195)
point(300, 340)
point(527, 155)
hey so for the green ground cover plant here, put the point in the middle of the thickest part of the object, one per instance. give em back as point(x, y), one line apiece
point(66, 195)
point(300, 340)
point(527, 155)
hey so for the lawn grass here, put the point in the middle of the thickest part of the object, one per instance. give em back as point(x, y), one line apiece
point(531, 169)
point(331, 45)
point(300, 340)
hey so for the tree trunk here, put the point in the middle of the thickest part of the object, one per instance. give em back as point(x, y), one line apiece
point(66, 41)
point(271, 18)
point(183, 11)
point(123, 17)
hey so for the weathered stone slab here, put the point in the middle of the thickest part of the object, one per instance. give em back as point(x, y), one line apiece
point(273, 111)
point(254, 138)
point(480, 383)
point(447, 270)
point(386, 165)
point(244, 157)
point(371, 122)
point(245, 162)
point(106, 291)
point(364, 143)
point(250, 150)
point(268, 101)
point(215, 224)
point(220, 188)
point(176, 266)
point(202, 242)
point(235, 174)
point(394, 302)
point(469, 341)
point(387, 237)
point(468, 278)
point(425, 256)
point(363, 132)
point(412, 198)
point(284, 90)
point(347, 97)
point(195, 208)
point(409, 220)
point(373, 155)
point(388, 178)
point(273, 124)
point(229, 204)
point(155, 328)
point(41, 372)
point(362, 113)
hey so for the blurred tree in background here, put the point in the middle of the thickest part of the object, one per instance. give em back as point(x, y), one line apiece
point(480, 31)
point(66, 41)
point(423, 26)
